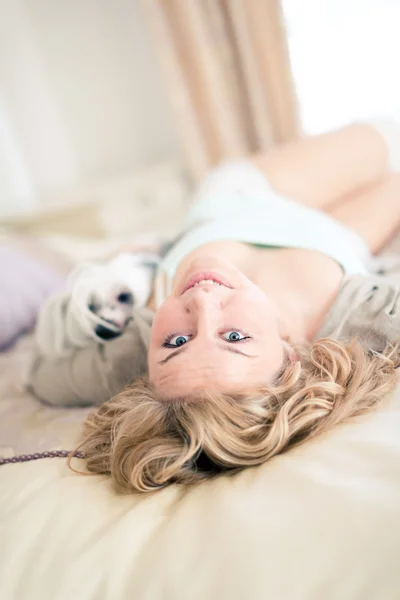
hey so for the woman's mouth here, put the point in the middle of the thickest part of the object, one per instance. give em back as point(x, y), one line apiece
point(205, 278)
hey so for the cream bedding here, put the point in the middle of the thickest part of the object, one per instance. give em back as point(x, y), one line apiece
point(26, 425)
point(320, 522)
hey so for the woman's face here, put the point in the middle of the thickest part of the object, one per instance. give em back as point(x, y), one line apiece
point(216, 331)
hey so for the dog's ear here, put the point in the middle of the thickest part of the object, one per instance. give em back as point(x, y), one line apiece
point(150, 261)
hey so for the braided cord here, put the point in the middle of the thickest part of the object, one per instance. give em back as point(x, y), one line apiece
point(38, 455)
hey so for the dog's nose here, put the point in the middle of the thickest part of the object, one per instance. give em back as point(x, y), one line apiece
point(106, 334)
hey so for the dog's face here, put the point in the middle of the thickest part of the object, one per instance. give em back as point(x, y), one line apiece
point(113, 302)
point(108, 293)
point(114, 308)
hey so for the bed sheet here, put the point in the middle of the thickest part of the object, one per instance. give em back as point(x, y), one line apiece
point(321, 521)
point(27, 425)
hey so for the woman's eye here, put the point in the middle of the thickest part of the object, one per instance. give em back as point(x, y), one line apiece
point(176, 341)
point(234, 336)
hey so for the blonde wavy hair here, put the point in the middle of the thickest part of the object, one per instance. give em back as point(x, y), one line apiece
point(145, 442)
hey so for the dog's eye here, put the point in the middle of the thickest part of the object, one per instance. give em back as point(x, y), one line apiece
point(125, 298)
point(93, 307)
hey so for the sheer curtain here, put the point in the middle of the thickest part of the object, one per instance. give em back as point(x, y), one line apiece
point(345, 58)
point(234, 88)
point(228, 73)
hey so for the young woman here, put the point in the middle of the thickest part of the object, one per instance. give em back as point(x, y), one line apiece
point(275, 257)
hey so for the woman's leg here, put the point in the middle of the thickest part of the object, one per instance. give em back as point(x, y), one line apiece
point(320, 170)
point(374, 213)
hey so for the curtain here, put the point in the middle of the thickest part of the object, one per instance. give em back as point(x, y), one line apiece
point(228, 73)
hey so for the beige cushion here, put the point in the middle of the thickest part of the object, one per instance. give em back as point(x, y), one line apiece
point(320, 522)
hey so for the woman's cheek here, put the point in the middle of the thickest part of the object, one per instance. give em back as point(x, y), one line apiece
point(167, 318)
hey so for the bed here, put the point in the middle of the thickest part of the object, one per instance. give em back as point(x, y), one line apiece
point(320, 522)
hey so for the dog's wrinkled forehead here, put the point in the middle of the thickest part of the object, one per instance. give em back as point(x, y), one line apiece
point(128, 288)
point(112, 292)
point(125, 280)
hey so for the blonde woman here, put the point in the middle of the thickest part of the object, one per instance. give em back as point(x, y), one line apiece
point(276, 255)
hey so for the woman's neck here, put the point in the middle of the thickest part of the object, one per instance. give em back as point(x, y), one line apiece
point(303, 284)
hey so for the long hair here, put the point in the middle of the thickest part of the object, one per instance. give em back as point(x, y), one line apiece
point(144, 442)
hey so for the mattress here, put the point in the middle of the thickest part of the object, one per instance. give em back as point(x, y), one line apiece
point(319, 522)
point(26, 425)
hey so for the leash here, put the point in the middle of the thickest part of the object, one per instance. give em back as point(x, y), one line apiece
point(20, 458)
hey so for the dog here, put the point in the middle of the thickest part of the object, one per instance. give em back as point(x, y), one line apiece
point(107, 293)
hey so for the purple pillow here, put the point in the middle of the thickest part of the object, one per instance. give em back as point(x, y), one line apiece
point(24, 285)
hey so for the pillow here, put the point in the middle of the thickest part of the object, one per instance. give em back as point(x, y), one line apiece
point(25, 284)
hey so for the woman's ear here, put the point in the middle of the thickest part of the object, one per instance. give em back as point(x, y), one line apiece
point(290, 352)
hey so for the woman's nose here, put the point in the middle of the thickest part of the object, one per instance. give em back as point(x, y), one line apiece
point(203, 299)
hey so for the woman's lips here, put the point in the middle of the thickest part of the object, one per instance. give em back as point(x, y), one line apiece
point(205, 275)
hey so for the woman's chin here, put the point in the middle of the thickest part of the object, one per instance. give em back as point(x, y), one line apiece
point(209, 262)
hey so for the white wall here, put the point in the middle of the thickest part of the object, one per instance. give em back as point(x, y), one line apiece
point(81, 94)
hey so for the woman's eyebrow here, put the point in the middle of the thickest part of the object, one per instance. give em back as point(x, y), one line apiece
point(171, 355)
point(229, 348)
